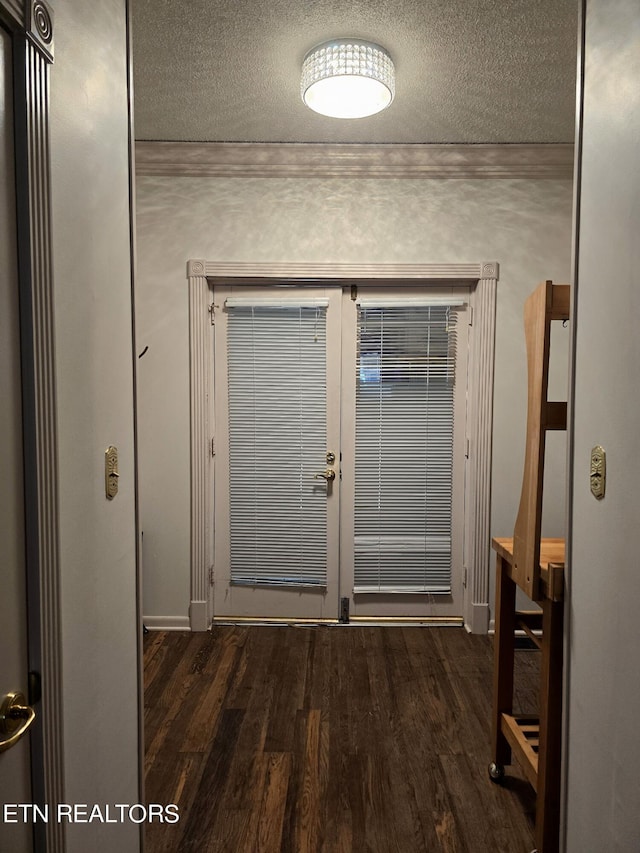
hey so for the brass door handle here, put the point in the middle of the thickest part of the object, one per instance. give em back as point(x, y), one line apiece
point(15, 719)
point(327, 475)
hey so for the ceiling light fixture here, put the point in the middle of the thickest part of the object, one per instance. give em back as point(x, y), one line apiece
point(347, 78)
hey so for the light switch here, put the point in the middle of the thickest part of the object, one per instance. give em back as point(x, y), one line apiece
point(598, 474)
point(111, 474)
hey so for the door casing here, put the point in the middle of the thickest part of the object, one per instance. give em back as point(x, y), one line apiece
point(481, 278)
point(15, 782)
point(32, 43)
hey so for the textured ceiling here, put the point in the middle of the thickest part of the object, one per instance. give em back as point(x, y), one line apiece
point(467, 71)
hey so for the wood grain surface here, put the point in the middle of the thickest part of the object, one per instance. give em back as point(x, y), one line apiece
point(330, 739)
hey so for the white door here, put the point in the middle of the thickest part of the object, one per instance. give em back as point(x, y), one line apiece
point(277, 433)
point(14, 762)
point(311, 383)
point(404, 390)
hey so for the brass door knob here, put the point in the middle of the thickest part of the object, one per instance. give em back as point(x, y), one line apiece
point(15, 718)
point(329, 475)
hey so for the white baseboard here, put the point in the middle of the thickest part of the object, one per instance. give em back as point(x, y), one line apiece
point(478, 619)
point(166, 623)
point(517, 633)
point(198, 619)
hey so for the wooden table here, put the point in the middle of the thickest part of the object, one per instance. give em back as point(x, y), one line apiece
point(534, 741)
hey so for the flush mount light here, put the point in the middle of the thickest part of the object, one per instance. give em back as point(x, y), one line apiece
point(347, 78)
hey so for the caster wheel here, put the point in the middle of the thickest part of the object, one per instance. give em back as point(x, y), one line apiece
point(496, 772)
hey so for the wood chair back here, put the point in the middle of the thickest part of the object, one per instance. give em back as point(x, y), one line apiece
point(548, 302)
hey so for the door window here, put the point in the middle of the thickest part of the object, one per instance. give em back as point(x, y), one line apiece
point(277, 439)
point(405, 383)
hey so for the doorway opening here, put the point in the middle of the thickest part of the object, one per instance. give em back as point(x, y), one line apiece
point(347, 420)
point(339, 423)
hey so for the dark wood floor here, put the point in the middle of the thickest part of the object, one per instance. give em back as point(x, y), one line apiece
point(310, 739)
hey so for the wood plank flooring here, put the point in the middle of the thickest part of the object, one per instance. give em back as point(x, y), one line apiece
point(328, 739)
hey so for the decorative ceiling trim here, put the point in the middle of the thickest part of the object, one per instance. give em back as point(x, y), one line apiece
point(320, 160)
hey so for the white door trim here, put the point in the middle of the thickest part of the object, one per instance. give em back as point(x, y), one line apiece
point(482, 278)
point(31, 28)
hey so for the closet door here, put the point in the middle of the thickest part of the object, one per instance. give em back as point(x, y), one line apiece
point(276, 401)
point(403, 453)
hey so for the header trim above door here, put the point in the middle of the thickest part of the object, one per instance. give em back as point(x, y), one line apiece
point(252, 273)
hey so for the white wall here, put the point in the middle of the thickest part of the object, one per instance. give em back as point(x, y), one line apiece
point(92, 281)
point(603, 797)
point(523, 224)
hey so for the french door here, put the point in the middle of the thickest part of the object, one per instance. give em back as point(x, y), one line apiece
point(339, 452)
point(277, 486)
point(404, 383)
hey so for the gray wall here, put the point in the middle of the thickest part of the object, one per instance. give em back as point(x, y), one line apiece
point(523, 224)
point(603, 801)
point(92, 282)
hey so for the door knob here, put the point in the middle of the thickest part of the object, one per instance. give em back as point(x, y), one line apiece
point(329, 475)
point(15, 718)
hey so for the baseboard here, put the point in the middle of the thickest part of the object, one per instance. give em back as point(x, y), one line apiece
point(478, 622)
point(198, 619)
point(166, 623)
point(519, 634)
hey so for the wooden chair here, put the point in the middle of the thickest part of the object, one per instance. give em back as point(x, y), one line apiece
point(536, 566)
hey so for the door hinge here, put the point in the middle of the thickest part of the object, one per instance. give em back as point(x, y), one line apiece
point(212, 311)
point(210, 575)
point(354, 292)
point(467, 448)
point(35, 687)
point(464, 577)
point(471, 315)
point(213, 447)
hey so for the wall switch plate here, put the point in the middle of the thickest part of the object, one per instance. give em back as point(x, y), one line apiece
point(111, 474)
point(598, 472)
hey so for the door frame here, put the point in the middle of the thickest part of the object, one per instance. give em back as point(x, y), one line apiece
point(30, 26)
point(480, 278)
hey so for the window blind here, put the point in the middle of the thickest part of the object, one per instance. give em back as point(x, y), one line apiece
point(404, 448)
point(277, 442)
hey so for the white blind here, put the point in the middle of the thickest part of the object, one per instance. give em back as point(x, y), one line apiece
point(404, 448)
point(277, 436)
